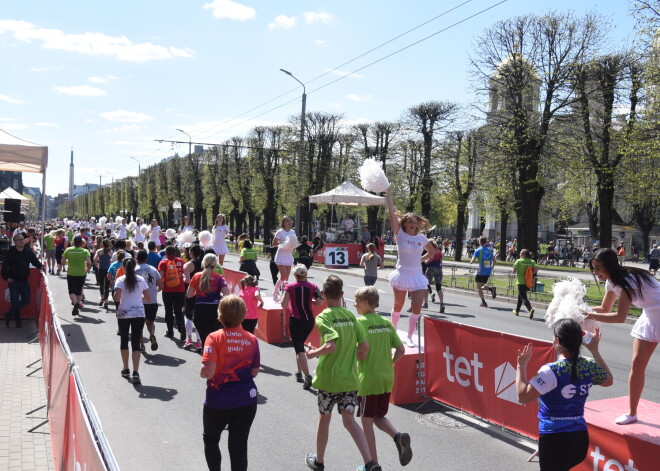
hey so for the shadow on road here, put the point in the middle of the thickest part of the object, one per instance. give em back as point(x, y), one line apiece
point(162, 360)
point(261, 399)
point(75, 337)
point(267, 370)
point(155, 392)
point(83, 319)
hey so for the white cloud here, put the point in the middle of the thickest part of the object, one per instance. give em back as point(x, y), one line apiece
point(13, 101)
point(93, 44)
point(342, 73)
point(230, 10)
point(123, 116)
point(359, 98)
point(319, 16)
point(80, 90)
point(49, 125)
point(45, 69)
point(126, 128)
point(282, 22)
point(320, 42)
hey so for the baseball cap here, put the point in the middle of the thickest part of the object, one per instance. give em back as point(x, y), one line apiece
point(300, 270)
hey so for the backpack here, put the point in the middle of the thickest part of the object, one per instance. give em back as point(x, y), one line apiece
point(172, 279)
point(120, 272)
point(529, 277)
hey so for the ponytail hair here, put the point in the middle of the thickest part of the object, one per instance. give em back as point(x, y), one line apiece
point(208, 264)
point(248, 280)
point(130, 280)
point(370, 247)
point(569, 335)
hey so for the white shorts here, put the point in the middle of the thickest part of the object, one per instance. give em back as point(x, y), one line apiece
point(646, 329)
point(284, 258)
point(222, 250)
point(408, 281)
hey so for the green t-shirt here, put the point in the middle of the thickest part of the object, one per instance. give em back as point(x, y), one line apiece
point(543, 249)
point(218, 269)
point(75, 257)
point(69, 235)
point(337, 371)
point(376, 373)
point(521, 267)
point(249, 254)
point(49, 242)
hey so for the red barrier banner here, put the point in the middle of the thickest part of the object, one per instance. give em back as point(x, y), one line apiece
point(233, 279)
point(31, 310)
point(82, 452)
point(474, 369)
point(44, 327)
point(58, 400)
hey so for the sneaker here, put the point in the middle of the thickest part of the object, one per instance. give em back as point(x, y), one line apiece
point(531, 313)
point(493, 292)
point(169, 334)
point(81, 305)
point(442, 309)
point(625, 419)
point(515, 313)
point(198, 347)
point(105, 305)
point(75, 311)
point(432, 297)
point(182, 333)
point(483, 304)
point(402, 441)
point(308, 382)
point(425, 305)
point(126, 373)
point(372, 466)
point(142, 349)
point(187, 344)
point(410, 343)
point(154, 343)
point(311, 462)
point(299, 377)
point(409, 309)
point(100, 303)
point(136, 378)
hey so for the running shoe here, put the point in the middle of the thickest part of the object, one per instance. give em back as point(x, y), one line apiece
point(402, 441)
point(75, 311)
point(410, 343)
point(81, 305)
point(299, 377)
point(198, 347)
point(425, 305)
point(126, 373)
point(142, 349)
point(625, 419)
point(182, 333)
point(100, 303)
point(372, 466)
point(483, 304)
point(169, 334)
point(442, 309)
point(136, 378)
point(308, 382)
point(154, 343)
point(493, 292)
point(409, 309)
point(312, 464)
point(432, 297)
point(515, 313)
point(187, 344)
point(531, 313)
point(105, 305)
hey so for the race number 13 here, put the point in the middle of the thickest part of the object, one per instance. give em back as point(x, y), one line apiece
point(336, 256)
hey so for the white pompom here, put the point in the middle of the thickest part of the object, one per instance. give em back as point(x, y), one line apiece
point(131, 226)
point(568, 303)
point(71, 224)
point(289, 244)
point(99, 226)
point(186, 237)
point(170, 233)
point(205, 238)
point(118, 219)
point(372, 176)
point(103, 220)
point(144, 229)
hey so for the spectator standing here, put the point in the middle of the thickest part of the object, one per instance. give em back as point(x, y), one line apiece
point(654, 259)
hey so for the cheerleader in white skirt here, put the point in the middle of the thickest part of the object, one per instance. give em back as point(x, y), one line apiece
point(408, 275)
point(284, 255)
point(220, 231)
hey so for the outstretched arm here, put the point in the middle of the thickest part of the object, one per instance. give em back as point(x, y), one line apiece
point(394, 221)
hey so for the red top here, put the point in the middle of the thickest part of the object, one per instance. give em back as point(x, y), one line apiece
point(162, 268)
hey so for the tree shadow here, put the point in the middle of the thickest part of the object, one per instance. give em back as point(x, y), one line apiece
point(162, 360)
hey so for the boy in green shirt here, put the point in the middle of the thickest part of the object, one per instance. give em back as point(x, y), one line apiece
point(520, 267)
point(336, 376)
point(376, 372)
point(49, 248)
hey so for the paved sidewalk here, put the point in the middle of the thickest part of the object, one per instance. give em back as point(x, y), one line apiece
point(24, 430)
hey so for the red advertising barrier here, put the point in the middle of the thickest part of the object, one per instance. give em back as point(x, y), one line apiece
point(58, 400)
point(354, 252)
point(270, 329)
point(31, 310)
point(409, 381)
point(44, 327)
point(474, 370)
point(233, 279)
point(630, 447)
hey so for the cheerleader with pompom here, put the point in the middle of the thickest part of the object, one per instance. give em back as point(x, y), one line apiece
point(137, 232)
point(220, 231)
point(408, 275)
point(286, 241)
point(122, 228)
point(154, 232)
point(186, 226)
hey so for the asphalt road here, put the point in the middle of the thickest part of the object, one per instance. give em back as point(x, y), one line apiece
point(158, 425)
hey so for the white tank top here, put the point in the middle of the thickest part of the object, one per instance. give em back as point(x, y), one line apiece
point(219, 235)
point(410, 250)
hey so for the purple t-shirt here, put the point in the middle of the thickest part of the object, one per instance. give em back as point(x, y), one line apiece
point(216, 283)
point(301, 294)
point(235, 353)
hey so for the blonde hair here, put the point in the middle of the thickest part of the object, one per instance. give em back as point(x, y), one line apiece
point(423, 224)
point(370, 247)
point(208, 264)
point(368, 294)
point(231, 311)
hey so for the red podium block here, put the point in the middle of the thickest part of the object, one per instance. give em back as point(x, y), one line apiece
point(407, 386)
point(269, 327)
point(633, 447)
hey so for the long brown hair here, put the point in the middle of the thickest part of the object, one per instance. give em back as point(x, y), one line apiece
point(423, 224)
point(208, 264)
point(370, 247)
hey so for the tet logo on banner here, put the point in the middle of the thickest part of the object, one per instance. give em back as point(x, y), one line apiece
point(505, 382)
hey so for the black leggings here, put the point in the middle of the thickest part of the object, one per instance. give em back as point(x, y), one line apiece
point(206, 320)
point(135, 325)
point(300, 330)
point(249, 324)
point(522, 298)
point(562, 451)
point(104, 284)
point(239, 421)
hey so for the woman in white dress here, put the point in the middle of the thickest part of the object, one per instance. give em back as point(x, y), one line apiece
point(284, 255)
point(186, 226)
point(154, 234)
point(408, 274)
point(220, 231)
point(632, 286)
point(137, 235)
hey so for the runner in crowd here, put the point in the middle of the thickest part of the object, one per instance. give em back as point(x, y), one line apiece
point(231, 394)
point(61, 243)
point(408, 275)
point(631, 286)
point(102, 261)
point(220, 231)
point(298, 299)
point(283, 257)
point(155, 284)
point(153, 258)
point(371, 262)
point(434, 275)
point(654, 259)
point(208, 288)
point(486, 258)
point(131, 291)
point(49, 249)
point(115, 270)
point(564, 437)
point(520, 268)
point(189, 270)
point(250, 295)
point(305, 253)
point(80, 263)
point(174, 294)
point(248, 260)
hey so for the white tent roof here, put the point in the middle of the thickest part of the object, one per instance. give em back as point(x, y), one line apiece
point(17, 155)
point(11, 194)
point(349, 195)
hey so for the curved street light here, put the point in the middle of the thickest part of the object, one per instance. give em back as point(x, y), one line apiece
point(189, 140)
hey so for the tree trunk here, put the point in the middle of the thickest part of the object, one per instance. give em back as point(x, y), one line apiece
point(532, 193)
point(606, 205)
point(592, 215)
point(645, 218)
point(504, 222)
point(461, 207)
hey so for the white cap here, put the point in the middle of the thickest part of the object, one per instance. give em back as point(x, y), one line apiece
point(300, 269)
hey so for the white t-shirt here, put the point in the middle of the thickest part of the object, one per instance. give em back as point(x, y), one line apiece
point(130, 304)
point(138, 235)
point(122, 231)
point(410, 250)
point(219, 234)
point(188, 228)
point(155, 235)
point(651, 301)
point(281, 235)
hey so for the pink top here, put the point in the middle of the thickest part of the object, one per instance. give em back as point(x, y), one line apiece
point(247, 294)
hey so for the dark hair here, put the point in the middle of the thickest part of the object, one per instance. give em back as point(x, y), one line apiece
point(620, 276)
point(120, 244)
point(170, 251)
point(333, 287)
point(195, 251)
point(151, 245)
point(129, 267)
point(209, 250)
point(247, 244)
point(569, 334)
point(141, 256)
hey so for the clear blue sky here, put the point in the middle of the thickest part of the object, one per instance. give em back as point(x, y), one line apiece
point(107, 78)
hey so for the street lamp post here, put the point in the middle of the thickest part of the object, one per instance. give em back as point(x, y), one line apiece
point(189, 140)
point(112, 176)
point(139, 168)
point(302, 135)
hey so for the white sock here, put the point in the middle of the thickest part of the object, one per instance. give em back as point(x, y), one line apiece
point(395, 317)
point(189, 327)
point(412, 324)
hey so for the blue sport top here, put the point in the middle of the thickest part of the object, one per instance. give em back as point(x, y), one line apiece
point(561, 405)
point(485, 257)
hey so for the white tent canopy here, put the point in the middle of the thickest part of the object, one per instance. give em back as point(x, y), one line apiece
point(11, 194)
point(349, 195)
point(17, 155)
